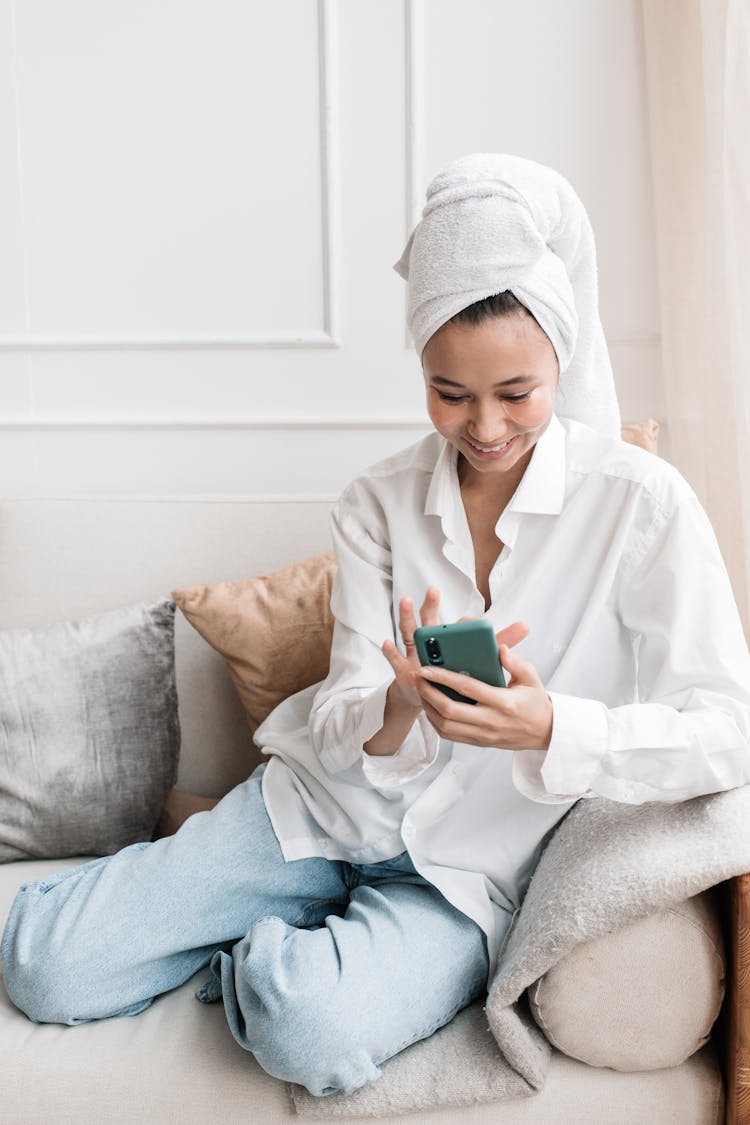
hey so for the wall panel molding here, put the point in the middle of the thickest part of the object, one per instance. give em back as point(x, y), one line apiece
point(414, 124)
point(328, 68)
point(414, 84)
point(79, 423)
point(328, 337)
point(162, 342)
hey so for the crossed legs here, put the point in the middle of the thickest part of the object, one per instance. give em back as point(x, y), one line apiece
point(325, 969)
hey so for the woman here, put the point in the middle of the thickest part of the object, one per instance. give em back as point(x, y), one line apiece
point(354, 894)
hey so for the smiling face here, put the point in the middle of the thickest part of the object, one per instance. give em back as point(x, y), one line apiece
point(491, 391)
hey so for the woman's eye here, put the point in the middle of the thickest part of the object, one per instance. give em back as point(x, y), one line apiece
point(456, 399)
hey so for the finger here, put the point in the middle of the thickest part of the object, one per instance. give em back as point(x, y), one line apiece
point(466, 685)
point(438, 700)
point(391, 653)
point(396, 660)
point(521, 671)
point(455, 731)
point(512, 634)
point(428, 613)
point(435, 711)
point(457, 710)
point(407, 623)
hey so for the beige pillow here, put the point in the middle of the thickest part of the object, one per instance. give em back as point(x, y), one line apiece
point(645, 434)
point(273, 630)
point(641, 998)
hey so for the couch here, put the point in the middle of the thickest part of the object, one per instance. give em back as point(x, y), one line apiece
point(177, 1062)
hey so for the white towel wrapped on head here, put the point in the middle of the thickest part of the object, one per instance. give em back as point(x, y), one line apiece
point(494, 222)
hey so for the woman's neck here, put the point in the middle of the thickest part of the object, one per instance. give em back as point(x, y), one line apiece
point(490, 490)
point(485, 497)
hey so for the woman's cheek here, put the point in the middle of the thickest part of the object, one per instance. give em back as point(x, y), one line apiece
point(535, 410)
point(441, 415)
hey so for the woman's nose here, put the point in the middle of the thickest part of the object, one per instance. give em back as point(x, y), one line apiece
point(489, 422)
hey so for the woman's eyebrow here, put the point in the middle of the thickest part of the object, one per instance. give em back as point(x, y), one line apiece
point(445, 382)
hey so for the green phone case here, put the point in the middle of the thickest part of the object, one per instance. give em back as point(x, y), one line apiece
point(464, 646)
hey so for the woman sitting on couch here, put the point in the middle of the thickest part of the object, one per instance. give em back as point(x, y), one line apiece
point(354, 893)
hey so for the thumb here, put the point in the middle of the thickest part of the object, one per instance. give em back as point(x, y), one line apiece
point(521, 671)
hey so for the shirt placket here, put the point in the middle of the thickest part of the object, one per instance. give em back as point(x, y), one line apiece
point(458, 548)
point(506, 530)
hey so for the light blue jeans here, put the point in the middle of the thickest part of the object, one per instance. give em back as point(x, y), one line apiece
point(326, 969)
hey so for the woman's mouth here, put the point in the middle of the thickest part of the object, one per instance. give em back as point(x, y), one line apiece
point(491, 452)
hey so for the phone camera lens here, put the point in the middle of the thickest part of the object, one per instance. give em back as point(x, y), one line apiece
point(433, 651)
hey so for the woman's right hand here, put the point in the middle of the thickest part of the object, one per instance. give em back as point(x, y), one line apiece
point(403, 702)
point(406, 667)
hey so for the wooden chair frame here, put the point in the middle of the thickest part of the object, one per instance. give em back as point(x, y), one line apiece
point(736, 1053)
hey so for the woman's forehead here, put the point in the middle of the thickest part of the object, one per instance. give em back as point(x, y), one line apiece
point(508, 346)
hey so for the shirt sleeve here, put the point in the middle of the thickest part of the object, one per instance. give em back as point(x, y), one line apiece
point(349, 706)
point(689, 731)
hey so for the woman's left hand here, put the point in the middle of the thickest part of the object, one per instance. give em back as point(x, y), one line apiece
point(517, 717)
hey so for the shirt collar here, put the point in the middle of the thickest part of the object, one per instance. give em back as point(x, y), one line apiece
point(444, 500)
point(541, 490)
point(444, 488)
point(542, 487)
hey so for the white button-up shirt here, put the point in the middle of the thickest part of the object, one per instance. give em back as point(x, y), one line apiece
point(634, 632)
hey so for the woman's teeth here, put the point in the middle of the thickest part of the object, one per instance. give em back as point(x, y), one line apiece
point(490, 448)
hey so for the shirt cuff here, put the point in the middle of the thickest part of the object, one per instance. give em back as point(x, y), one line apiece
point(415, 754)
point(578, 743)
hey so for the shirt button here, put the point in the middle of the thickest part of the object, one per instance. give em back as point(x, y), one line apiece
point(409, 832)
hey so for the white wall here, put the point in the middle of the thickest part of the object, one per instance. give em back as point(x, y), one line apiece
point(202, 201)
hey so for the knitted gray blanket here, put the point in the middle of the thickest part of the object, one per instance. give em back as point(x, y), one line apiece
point(606, 866)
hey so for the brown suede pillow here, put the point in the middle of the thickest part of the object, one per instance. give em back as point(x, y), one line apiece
point(274, 631)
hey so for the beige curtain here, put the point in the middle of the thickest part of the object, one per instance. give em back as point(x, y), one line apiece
point(698, 81)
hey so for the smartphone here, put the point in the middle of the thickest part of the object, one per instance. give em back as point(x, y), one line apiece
point(465, 646)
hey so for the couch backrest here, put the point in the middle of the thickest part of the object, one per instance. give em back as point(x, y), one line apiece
point(63, 558)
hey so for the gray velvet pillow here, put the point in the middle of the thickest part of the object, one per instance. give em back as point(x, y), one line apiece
point(89, 734)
